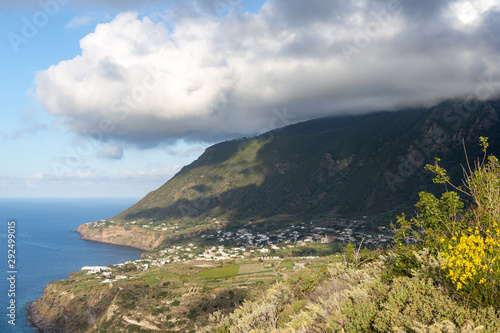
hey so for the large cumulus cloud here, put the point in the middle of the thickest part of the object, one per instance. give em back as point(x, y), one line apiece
point(210, 76)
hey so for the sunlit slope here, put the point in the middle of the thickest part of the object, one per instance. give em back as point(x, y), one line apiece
point(352, 166)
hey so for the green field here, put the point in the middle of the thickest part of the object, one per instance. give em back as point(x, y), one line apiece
point(220, 273)
point(286, 264)
point(252, 269)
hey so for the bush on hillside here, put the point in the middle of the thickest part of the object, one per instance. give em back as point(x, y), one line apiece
point(468, 239)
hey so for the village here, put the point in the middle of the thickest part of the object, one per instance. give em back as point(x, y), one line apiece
point(245, 244)
point(301, 234)
point(343, 231)
point(184, 254)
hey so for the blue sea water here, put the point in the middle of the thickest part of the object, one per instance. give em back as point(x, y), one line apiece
point(48, 247)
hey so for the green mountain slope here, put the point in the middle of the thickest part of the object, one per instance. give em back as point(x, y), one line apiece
point(339, 167)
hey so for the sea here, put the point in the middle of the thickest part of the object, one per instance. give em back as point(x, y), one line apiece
point(48, 248)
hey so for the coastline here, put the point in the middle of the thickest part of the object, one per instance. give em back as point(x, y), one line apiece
point(50, 248)
point(35, 310)
point(117, 235)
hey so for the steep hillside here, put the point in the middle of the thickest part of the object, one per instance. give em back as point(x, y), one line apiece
point(319, 170)
point(151, 295)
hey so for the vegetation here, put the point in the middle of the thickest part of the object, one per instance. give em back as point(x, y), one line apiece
point(220, 273)
point(286, 264)
point(346, 299)
point(341, 167)
point(464, 238)
point(442, 276)
point(172, 298)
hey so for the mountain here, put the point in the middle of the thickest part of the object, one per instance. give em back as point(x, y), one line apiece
point(366, 168)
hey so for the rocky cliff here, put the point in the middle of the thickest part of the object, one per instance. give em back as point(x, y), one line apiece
point(130, 236)
point(169, 298)
point(62, 309)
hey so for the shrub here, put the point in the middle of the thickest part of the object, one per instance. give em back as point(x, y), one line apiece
point(263, 314)
point(400, 262)
point(435, 219)
point(412, 300)
point(361, 314)
point(353, 256)
point(468, 240)
point(305, 280)
point(298, 305)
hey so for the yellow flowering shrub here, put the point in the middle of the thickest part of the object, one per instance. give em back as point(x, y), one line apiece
point(471, 263)
point(466, 235)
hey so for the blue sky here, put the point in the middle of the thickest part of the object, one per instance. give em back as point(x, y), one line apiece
point(111, 98)
point(34, 144)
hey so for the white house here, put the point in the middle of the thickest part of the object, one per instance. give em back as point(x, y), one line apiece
point(94, 269)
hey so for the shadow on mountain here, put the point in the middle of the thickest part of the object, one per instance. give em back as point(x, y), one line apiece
point(352, 166)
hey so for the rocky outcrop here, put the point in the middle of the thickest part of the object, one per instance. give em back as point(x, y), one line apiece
point(84, 304)
point(60, 310)
point(131, 236)
point(38, 320)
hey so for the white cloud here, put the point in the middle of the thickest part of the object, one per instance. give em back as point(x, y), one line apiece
point(20, 132)
point(83, 174)
point(470, 13)
point(113, 152)
point(89, 182)
point(76, 175)
point(78, 21)
point(163, 174)
point(216, 77)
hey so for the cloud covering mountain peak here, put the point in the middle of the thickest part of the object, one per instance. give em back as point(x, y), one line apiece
point(206, 77)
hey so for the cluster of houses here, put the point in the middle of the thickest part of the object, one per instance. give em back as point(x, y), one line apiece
point(105, 271)
point(178, 254)
point(306, 232)
point(257, 244)
point(101, 223)
point(150, 225)
point(214, 253)
point(248, 244)
point(302, 234)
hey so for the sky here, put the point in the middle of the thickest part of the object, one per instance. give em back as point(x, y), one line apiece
point(111, 98)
